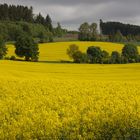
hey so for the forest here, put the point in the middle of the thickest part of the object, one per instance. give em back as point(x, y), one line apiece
point(109, 32)
point(15, 20)
point(18, 19)
point(110, 28)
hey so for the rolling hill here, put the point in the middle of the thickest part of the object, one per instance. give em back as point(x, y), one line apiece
point(57, 51)
point(68, 101)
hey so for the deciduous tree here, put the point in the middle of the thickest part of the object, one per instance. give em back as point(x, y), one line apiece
point(26, 47)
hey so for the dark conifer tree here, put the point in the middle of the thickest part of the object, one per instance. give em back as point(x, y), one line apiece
point(48, 23)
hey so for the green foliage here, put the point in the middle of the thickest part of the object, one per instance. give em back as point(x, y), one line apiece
point(26, 47)
point(14, 31)
point(119, 32)
point(40, 19)
point(130, 53)
point(84, 32)
point(12, 57)
point(88, 32)
point(93, 32)
point(130, 38)
point(18, 19)
point(16, 13)
point(105, 57)
point(71, 50)
point(58, 31)
point(11, 30)
point(115, 58)
point(118, 37)
point(48, 23)
point(3, 49)
point(109, 28)
point(75, 54)
point(80, 57)
point(45, 37)
point(95, 54)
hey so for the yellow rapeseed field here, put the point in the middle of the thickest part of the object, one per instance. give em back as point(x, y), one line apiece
point(57, 51)
point(44, 101)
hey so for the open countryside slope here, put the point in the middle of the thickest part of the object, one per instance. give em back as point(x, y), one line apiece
point(69, 101)
point(38, 71)
point(57, 51)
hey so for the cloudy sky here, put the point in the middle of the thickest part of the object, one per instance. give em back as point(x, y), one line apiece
point(71, 13)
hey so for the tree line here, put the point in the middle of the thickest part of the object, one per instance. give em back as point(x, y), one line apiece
point(16, 13)
point(17, 19)
point(109, 31)
point(110, 28)
point(26, 47)
point(11, 30)
point(95, 55)
point(23, 13)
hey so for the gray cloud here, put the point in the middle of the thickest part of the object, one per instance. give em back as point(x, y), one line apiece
point(71, 13)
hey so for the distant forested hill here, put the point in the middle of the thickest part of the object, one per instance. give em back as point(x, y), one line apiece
point(15, 19)
point(110, 28)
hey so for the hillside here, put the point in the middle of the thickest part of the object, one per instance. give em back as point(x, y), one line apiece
point(43, 71)
point(65, 75)
point(57, 51)
point(56, 101)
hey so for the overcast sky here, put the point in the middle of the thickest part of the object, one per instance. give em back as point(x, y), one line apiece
point(71, 13)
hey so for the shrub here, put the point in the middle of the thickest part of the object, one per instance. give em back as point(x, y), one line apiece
point(80, 57)
point(71, 50)
point(130, 53)
point(7, 58)
point(75, 54)
point(12, 57)
point(115, 58)
point(105, 57)
point(94, 54)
